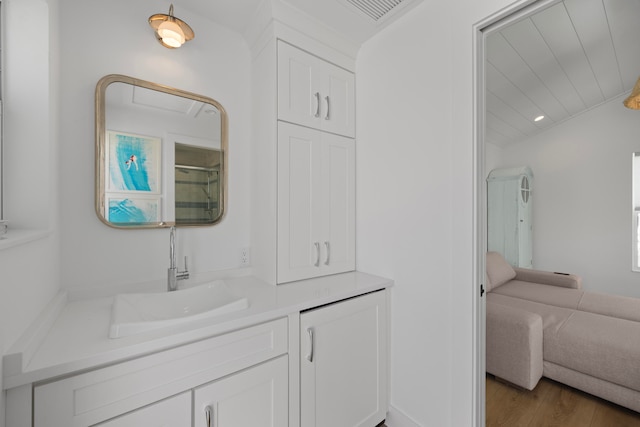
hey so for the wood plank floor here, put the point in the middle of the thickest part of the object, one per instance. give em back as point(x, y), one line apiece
point(552, 404)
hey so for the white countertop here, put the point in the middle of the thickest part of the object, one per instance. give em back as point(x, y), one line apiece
point(78, 338)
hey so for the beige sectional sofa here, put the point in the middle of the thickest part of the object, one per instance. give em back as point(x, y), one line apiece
point(543, 324)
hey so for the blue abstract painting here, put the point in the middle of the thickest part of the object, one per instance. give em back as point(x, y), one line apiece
point(126, 210)
point(133, 162)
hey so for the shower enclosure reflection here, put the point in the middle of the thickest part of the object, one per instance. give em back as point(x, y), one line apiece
point(197, 180)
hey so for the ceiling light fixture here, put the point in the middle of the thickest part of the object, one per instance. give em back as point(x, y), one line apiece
point(537, 119)
point(633, 101)
point(170, 31)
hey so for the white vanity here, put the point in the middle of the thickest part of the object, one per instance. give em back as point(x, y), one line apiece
point(308, 353)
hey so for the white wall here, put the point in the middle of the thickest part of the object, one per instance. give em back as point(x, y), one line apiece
point(404, 203)
point(29, 272)
point(582, 196)
point(415, 202)
point(215, 64)
point(493, 158)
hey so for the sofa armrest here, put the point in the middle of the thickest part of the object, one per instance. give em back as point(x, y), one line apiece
point(548, 278)
point(514, 345)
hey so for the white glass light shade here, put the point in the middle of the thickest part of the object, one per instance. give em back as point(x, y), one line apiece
point(171, 34)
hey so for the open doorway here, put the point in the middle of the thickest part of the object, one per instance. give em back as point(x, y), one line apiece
point(554, 59)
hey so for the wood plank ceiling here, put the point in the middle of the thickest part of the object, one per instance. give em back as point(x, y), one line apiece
point(560, 62)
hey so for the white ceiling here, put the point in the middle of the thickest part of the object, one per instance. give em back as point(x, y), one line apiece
point(233, 14)
point(560, 62)
point(345, 16)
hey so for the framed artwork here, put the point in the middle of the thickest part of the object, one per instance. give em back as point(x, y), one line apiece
point(132, 210)
point(133, 163)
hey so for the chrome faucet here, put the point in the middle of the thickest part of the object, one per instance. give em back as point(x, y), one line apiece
point(173, 274)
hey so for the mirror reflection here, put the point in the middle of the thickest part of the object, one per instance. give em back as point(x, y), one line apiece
point(160, 155)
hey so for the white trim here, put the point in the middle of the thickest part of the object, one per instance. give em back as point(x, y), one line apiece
point(1, 139)
point(635, 212)
point(478, 369)
point(506, 16)
point(635, 237)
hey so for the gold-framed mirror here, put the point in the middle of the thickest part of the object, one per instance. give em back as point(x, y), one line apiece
point(161, 155)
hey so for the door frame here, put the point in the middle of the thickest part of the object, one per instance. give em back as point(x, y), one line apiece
point(495, 22)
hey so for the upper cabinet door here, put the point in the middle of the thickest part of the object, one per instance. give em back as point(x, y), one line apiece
point(315, 93)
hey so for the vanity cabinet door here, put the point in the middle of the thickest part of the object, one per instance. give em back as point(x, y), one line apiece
point(343, 366)
point(172, 412)
point(313, 92)
point(316, 203)
point(256, 397)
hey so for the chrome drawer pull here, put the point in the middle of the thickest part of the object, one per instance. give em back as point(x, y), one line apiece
point(310, 355)
point(317, 95)
point(326, 244)
point(208, 413)
point(327, 117)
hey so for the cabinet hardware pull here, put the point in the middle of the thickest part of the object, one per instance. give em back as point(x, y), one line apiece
point(310, 355)
point(208, 412)
point(317, 95)
point(326, 244)
point(317, 245)
point(327, 117)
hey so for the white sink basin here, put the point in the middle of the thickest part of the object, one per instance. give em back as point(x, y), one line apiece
point(135, 313)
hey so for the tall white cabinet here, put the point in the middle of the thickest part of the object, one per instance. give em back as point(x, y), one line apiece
point(303, 164)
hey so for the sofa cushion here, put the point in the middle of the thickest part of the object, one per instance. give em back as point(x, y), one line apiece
point(552, 317)
point(601, 346)
point(548, 278)
point(545, 294)
point(514, 345)
point(499, 271)
point(611, 305)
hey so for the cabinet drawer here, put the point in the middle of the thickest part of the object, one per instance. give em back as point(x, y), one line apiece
point(95, 396)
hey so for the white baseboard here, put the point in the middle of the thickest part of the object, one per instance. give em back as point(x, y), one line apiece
point(397, 418)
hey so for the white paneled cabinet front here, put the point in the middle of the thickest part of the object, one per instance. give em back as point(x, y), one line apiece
point(315, 93)
point(343, 366)
point(316, 203)
point(257, 397)
point(172, 412)
point(119, 395)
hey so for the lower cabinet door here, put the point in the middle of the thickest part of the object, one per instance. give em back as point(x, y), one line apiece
point(343, 366)
point(172, 412)
point(255, 397)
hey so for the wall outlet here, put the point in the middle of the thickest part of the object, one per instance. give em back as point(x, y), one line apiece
point(245, 257)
